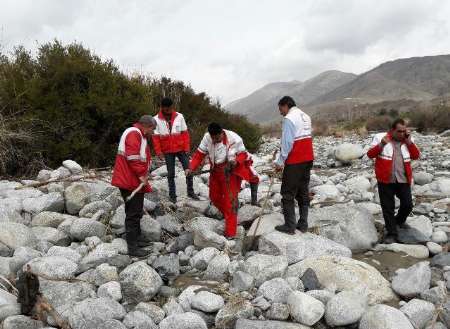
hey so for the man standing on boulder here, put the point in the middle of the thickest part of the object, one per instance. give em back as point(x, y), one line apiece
point(295, 160)
point(230, 163)
point(171, 139)
point(130, 174)
point(393, 152)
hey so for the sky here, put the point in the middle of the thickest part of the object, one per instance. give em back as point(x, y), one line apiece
point(229, 48)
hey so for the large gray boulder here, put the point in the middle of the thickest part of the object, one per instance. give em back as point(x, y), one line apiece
point(305, 309)
point(52, 235)
point(53, 201)
point(82, 228)
point(265, 267)
point(300, 246)
point(54, 267)
point(347, 225)
point(347, 152)
point(218, 268)
point(345, 308)
point(346, 274)
point(140, 282)
point(76, 197)
point(422, 178)
point(21, 322)
point(411, 282)
point(420, 230)
point(104, 253)
point(276, 290)
point(233, 311)
point(208, 302)
point(65, 252)
point(16, 235)
point(384, 317)
point(49, 219)
point(150, 229)
point(92, 312)
point(419, 312)
point(258, 324)
point(139, 320)
point(73, 167)
point(183, 321)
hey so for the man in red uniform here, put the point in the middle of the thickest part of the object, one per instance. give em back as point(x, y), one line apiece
point(230, 163)
point(295, 160)
point(171, 139)
point(130, 170)
point(393, 152)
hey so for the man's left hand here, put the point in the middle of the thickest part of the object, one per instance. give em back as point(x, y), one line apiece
point(277, 167)
point(408, 136)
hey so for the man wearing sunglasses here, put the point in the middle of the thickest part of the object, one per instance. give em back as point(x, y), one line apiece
point(393, 152)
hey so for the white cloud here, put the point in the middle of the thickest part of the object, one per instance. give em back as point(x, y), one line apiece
point(229, 48)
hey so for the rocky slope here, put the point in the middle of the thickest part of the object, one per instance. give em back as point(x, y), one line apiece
point(195, 278)
point(261, 105)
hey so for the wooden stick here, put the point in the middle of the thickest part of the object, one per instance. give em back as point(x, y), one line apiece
point(135, 191)
point(57, 180)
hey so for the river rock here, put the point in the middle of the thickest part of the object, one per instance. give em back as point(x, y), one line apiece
point(21, 322)
point(48, 218)
point(347, 225)
point(275, 290)
point(347, 152)
point(73, 167)
point(183, 321)
point(300, 246)
point(258, 324)
point(265, 267)
point(422, 178)
point(218, 268)
point(201, 259)
point(384, 317)
point(140, 282)
point(48, 202)
point(54, 267)
point(345, 308)
point(411, 282)
point(420, 230)
point(305, 309)
point(346, 274)
point(416, 251)
point(208, 302)
point(419, 312)
point(82, 228)
point(92, 312)
point(233, 311)
point(76, 197)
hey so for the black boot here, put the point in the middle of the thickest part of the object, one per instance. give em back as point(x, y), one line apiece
point(289, 218)
point(193, 196)
point(132, 238)
point(302, 224)
point(254, 193)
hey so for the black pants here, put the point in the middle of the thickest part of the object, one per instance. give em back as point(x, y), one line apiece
point(387, 193)
point(134, 210)
point(170, 165)
point(295, 186)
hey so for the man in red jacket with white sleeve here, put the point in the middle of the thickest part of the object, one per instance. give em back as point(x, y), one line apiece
point(230, 163)
point(171, 139)
point(393, 152)
point(130, 171)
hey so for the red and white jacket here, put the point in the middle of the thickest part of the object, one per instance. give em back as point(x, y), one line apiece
point(133, 160)
point(296, 140)
point(384, 155)
point(231, 148)
point(166, 140)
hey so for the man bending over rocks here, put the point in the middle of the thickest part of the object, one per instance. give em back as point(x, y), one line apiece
point(393, 152)
point(230, 163)
point(130, 171)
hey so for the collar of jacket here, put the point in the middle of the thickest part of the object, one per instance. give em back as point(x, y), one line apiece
point(163, 117)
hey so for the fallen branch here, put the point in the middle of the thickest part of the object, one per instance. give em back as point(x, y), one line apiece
point(90, 175)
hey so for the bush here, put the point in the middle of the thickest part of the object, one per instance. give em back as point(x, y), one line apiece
point(378, 123)
point(436, 120)
point(76, 105)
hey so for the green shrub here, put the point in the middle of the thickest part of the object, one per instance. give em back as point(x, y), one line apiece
point(76, 105)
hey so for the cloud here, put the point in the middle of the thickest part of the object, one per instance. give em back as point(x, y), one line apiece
point(230, 48)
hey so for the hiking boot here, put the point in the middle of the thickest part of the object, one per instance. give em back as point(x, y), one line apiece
point(193, 196)
point(390, 238)
point(173, 199)
point(254, 194)
point(285, 229)
point(404, 226)
point(302, 224)
point(138, 252)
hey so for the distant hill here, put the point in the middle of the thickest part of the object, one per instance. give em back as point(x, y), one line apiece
point(417, 79)
point(261, 105)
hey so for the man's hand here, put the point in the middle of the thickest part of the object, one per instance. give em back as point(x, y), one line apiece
point(144, 179)
point(385, 140)
point(188, 172)
point(232, 163)
point(408, 136)
point(160, 157)
point(277, 167)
